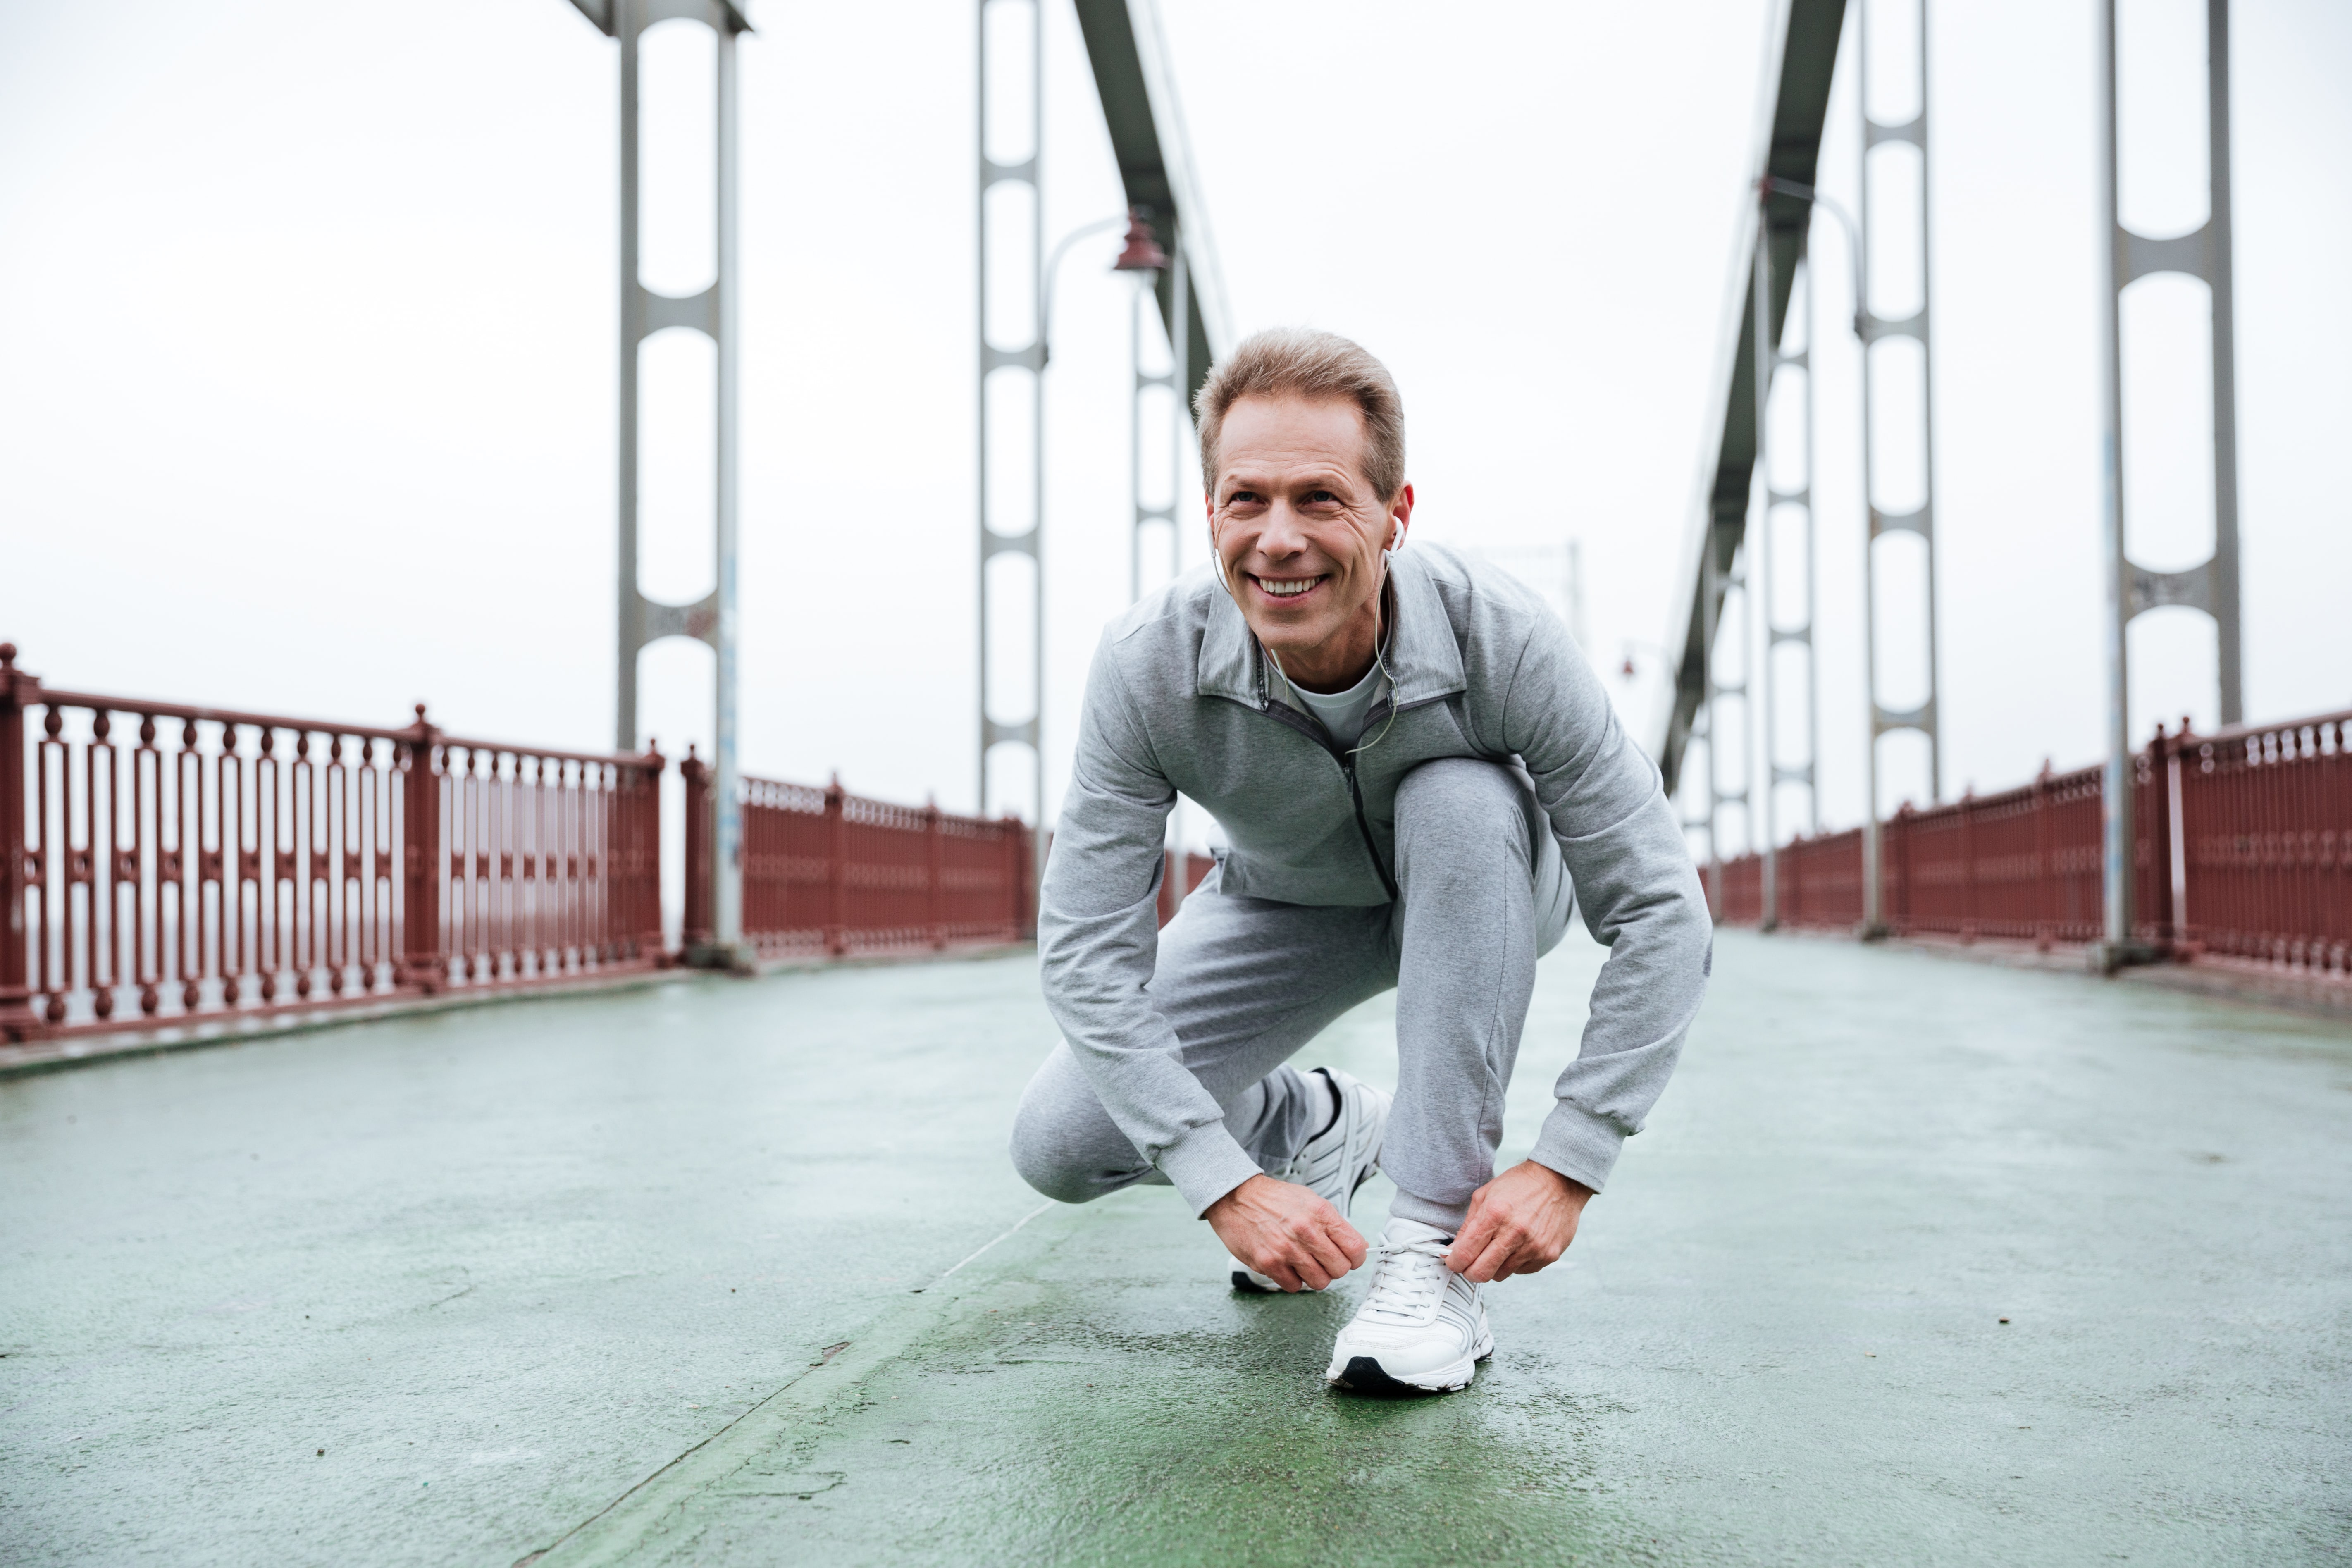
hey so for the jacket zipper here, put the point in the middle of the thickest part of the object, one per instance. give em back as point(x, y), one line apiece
point(1283, 714)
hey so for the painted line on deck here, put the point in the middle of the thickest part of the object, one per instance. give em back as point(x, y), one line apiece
point(636, 1521)
point(1017, 1223)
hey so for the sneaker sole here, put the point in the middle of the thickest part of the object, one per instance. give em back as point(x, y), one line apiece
point(1364, 1374)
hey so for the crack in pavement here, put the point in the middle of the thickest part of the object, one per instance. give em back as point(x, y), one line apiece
point(616, 1531)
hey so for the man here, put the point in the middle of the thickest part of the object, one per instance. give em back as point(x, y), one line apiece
point(1420, 779)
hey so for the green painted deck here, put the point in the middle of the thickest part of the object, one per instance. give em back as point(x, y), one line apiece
point(561, 1277)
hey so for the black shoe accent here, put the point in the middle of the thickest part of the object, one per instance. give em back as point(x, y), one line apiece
point(1364, 1376)
point(1249, 1286)
point(1339, 1104)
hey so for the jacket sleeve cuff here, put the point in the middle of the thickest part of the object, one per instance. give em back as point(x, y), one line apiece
point(1578, 1145)
point(1205, 1165)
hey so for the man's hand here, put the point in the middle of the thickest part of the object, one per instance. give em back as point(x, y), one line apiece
point(1286, 1233)
point(1519, 1223)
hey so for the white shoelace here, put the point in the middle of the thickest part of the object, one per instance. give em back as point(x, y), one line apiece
point(1410, 1280)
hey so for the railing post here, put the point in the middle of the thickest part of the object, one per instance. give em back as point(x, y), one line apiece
point(695, 921)
point(2045, 892)
point(17, 690)
point(2177, 851)
point(1017, 862)
point(644, 854)
point(422, 963)
point(1968, 864)
point(935, 903)
point(2152, 855)
point(836, 868)
point(1895, 915)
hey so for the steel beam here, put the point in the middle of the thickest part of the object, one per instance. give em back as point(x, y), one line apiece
point(2211, 585)
point(1920, 518)
point(2133, 590)
point(1805, 40)
point(1020, 536)
point(1734, 586)
point(1768, 364)
point(1147, 137)
point(1146, 288)
point(714, 313)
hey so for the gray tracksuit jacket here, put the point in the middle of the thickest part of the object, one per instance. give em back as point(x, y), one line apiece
point(1179, 700)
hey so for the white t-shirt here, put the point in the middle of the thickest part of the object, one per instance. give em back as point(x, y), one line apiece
point(1343, 712)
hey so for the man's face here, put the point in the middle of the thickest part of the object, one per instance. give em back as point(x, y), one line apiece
point(1300, 533)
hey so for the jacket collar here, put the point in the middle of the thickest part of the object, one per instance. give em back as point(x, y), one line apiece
point(1424, 658)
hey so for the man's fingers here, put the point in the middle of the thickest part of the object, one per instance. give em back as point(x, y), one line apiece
point(1505, 1245)
point(1276, 1264)
point(1350, 1242)
point(1316, 1260)
point(1324, 1248)
point(1477, 1230)
point(1490, 1262)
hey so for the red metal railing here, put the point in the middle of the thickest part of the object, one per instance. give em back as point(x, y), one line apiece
point(1821, 881)
point(826, 872)
point(2244, 847)
point(2262, 858)
point(167, 864)
point(1740, 898)
point(2022, 864)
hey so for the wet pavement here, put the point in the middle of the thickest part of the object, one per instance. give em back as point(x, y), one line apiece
point(734, 1272)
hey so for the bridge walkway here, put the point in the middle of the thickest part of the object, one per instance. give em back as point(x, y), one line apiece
point(688, 1276)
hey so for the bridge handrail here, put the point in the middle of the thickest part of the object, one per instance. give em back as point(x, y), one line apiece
point(162, 880)
point(2244, 848)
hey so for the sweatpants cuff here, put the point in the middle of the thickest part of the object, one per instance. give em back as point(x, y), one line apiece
point(1429, 1211)
point(1579, 1146)
point(1205, 1165)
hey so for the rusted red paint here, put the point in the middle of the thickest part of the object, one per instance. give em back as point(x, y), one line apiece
point(2243, 847)
point(198, 871)
point(828, 872)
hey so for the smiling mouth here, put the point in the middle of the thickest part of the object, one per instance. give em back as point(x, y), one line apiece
point(1285, 587)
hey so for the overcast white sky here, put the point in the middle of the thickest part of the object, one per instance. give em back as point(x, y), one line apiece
point(306, 394)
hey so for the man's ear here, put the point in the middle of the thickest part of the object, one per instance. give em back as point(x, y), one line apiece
point(1400, 517)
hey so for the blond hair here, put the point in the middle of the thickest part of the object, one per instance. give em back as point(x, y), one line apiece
point(1298, 361)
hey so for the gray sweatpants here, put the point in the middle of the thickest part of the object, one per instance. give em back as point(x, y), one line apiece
point(1246, 982)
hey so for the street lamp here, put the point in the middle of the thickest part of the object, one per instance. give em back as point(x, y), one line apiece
point(1144, 258)
point(1142, 253)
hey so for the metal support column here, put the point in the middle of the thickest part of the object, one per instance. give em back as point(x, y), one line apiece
point(1920, 520)
point(1768, 361)
point(712, 312)
point(1180, 335)
point(1146, 260)
point(1143, 512)
point(2133, 590)
point(1732, 585)
point(2212, 585)
point(1016, 535)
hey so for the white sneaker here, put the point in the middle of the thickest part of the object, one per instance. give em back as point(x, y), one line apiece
point(1337, 1161)
point(1422, 1327)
